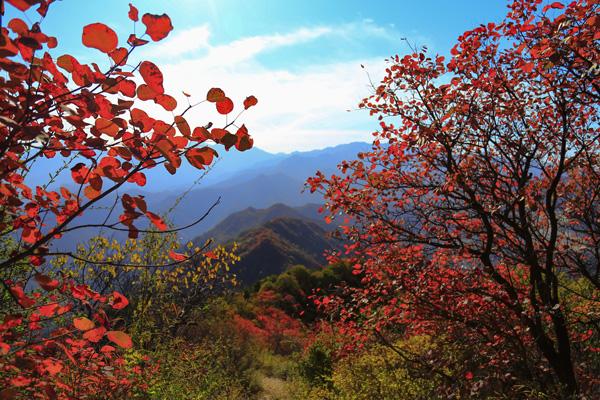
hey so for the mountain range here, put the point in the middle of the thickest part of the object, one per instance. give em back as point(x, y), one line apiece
point(254, 178)
point(251, 217)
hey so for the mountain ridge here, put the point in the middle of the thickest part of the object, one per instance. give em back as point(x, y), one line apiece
point(258, 184)
point(279, 244)
point(251, 217)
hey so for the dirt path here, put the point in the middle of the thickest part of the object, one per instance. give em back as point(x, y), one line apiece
point(273, 388)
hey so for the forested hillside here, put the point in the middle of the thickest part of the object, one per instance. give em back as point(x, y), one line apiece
point(281, 243)
point(240, 221)
point(149, 250)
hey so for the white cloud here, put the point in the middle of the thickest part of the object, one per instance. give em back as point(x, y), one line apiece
point(298, 109)
point(179, 43)
point(245, 49)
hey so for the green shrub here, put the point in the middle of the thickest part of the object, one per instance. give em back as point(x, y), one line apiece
point(317, 365)
point(198, 371)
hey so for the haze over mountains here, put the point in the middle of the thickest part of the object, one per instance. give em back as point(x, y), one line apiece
point(254, 178)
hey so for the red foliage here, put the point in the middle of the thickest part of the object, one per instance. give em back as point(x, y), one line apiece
point(250, 102)
point(53, 108)
point(100, 36)
point(58, 343)
point(61, 356)
point(273, 328)
point(472, 205)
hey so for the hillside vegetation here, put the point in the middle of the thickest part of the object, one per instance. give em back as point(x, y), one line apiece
point(456, 256)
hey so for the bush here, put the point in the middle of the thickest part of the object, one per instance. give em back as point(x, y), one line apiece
point(378, 372)
point(197, 371)
point(317, 365)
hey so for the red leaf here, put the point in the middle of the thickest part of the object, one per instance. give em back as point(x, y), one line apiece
point(94, 335)
point(141, 204)
point(225, 106)
point(156, 220)
point(217, 134)
point(183, 126)
point(135, 41)
point(468, 375)
point(127, 87)
point(79, 173)
point(20, 381)
point(244, 141)
point(83, 323)
point(250, 101)
point(527, 67)
point(211, 255)
point(99, 36)
point(200, 134)
point(46, 282)
point(139, 178)
point(119, 56)
point(119, 301)
point(215, 94)
point(140, 119)
point(52, 367)
point(18, 26)
point(120, 338)
point(7, 48)
point(107, 127)
point(556, 5)
point(107, 349)
point(22, 5)
point(152, 76)
point(30, 235)
point(19, 294)
point(43, 8)
point(67, 62)
point(200, 157)
point(145, 93)
point(90, 192)
point(48, 310)
point(32, 209)
point(166, 101)
point(177, 256)
point(133, 13)
point(157, 26)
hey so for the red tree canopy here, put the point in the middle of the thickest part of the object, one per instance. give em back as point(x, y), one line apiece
point(95, 119)
point(62, 341)
point(479, 204)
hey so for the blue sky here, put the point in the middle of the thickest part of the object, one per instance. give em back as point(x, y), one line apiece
point(300, 58)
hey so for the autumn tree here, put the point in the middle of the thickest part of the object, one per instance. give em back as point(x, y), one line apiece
point(97, 116)
point(475, 216)
point(163, 291)
point(94, 117)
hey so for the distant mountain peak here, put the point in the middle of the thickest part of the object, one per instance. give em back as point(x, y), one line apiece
point(278, 244)
point(251, 217)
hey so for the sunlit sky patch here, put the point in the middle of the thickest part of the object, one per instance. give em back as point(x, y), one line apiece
point(302, 59)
